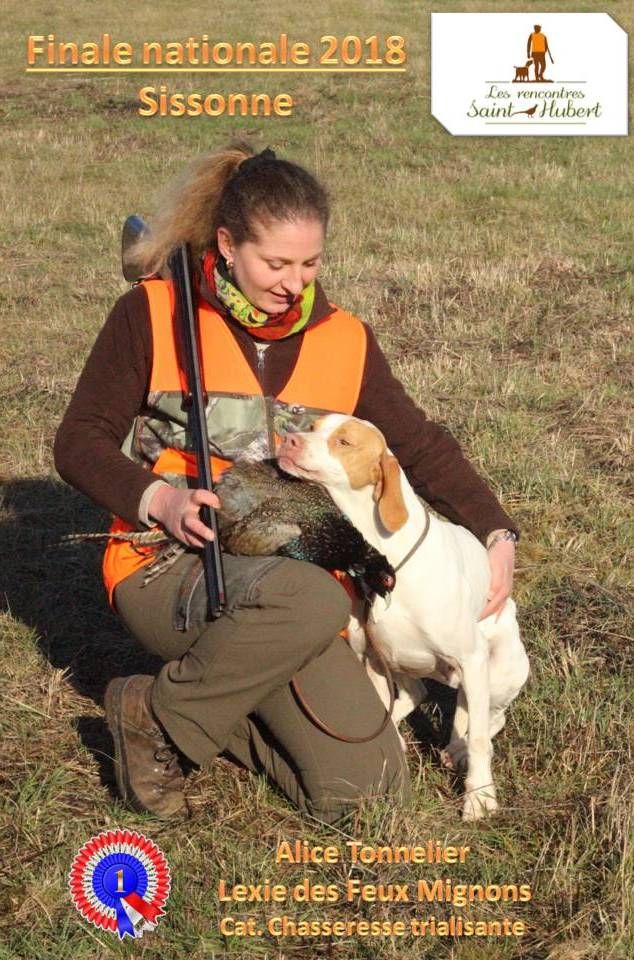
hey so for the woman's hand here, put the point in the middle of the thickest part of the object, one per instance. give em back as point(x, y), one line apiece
point(179, 512)
point(502, 562)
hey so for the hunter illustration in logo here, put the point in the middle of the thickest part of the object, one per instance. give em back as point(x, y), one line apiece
point(120, 881)
point(536, 50)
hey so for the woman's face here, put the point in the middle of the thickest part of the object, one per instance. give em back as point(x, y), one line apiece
point(275, 267)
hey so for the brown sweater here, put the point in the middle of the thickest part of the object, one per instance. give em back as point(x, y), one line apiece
point(112, 388)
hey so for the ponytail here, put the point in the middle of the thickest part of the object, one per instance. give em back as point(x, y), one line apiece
point(188, 209)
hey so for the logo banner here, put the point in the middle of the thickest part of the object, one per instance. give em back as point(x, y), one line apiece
point(529, 74)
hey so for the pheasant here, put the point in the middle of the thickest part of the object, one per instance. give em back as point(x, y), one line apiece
point(265, 512)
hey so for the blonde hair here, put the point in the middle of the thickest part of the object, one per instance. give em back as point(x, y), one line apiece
point(187, 212)
point(218, 191)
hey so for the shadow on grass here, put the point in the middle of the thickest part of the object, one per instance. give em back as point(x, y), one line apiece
point(95, 736)
point(55, 589)
point(431, 723)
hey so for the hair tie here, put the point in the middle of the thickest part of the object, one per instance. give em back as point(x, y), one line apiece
point(264, 157)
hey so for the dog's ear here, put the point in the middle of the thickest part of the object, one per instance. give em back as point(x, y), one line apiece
point(387, 493)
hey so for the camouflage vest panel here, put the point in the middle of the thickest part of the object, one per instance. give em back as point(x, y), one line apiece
point(238, 426)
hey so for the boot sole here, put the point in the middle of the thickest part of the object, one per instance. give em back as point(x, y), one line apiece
point(112, 707)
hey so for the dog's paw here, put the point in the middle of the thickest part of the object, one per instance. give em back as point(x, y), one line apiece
point(479, 803)
point(455, 756)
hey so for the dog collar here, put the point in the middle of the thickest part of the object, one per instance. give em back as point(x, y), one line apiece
point(411, 553)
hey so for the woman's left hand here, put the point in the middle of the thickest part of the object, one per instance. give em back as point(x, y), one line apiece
point(502, 563)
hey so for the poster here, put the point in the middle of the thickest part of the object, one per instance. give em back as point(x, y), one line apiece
point(496, 273)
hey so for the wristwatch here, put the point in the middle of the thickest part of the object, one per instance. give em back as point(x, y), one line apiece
point(496, 535)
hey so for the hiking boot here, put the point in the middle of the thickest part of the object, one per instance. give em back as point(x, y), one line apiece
point(147, 771)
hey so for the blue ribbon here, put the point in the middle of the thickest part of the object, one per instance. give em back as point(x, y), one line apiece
point(115, 877)
point(124, 924)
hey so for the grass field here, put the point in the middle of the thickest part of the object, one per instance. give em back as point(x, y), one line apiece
point(498, 276)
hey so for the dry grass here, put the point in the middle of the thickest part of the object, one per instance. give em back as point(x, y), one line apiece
point(513, 330)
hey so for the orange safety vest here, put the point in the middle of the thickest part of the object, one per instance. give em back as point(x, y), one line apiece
point(538, 43)
point(327, 378)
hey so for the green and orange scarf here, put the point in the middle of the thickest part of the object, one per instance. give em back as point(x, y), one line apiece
point(265, 326)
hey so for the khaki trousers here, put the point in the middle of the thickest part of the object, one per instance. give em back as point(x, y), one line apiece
point(225, 685)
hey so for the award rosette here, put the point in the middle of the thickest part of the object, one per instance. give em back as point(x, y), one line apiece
point(120, 881)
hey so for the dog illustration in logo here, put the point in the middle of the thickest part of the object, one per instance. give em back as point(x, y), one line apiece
point(521, 73)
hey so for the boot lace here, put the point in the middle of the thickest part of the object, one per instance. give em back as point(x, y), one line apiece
point(169, 761)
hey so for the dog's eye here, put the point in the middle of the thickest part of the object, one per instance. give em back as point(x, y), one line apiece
point(343, 442)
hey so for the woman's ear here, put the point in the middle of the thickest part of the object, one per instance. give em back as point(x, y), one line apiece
point(387, 491)
point(225, 243)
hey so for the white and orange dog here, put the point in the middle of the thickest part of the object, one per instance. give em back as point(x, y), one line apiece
point(429, 626)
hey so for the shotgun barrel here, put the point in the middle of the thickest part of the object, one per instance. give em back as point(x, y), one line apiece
point(180, 267)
